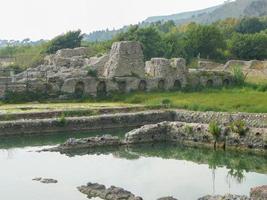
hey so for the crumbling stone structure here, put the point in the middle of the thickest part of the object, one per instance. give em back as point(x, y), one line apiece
point(70, 71)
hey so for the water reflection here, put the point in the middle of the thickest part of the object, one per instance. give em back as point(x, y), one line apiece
point(236, 163)
point(189, 172)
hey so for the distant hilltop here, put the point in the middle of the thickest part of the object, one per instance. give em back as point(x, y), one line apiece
point(233, 9)
point(229, 9)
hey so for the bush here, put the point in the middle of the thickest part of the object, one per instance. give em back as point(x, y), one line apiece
point(239, 76)
point(92, 72)
point(62, 120)
point(71, 39)
point(239, 127)
point(215, 130)
point(188, 129)
point(167, 103)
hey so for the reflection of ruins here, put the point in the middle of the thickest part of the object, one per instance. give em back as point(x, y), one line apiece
point(69, 71)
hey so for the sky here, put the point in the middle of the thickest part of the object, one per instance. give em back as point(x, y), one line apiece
point(44, 19)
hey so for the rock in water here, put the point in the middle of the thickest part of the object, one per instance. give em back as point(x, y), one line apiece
point(258, 193)
point(112, 193)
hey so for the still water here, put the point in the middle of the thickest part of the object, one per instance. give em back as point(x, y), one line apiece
point(150, 171)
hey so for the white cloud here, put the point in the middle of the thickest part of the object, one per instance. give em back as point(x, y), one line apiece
point(38, 19)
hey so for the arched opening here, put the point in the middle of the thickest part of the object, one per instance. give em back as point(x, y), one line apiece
point(122, 86)
point(226, 82)
point(101, 88)
point(177, 85)
point(142, 85)
point(79, 89)
point(161, 85)
point(209, 83)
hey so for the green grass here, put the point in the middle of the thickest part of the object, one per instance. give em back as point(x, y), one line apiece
point(228, 100)
point(249, 98)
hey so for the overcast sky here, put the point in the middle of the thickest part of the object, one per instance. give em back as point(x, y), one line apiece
point(44, 19)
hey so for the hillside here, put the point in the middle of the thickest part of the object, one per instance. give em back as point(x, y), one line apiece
point(234, 9)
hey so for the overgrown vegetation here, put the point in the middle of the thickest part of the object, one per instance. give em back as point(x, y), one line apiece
point(215, 130)
point(239, 76)
point(62, 121)
point(223, 40)
point(71, 39)
point(239, 127)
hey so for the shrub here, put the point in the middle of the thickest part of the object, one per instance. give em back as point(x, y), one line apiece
point(215, 130)
point(239, 127)
point(62, 120)
point(71, 39)
point(92, 72)
point(239, 76)
point(166, 103)
point(188, 129)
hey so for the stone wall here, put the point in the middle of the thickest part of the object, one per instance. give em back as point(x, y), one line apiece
point(254, 138)
point(40, 126)
point(108, 121)
point(125, 59)
point(122, 69)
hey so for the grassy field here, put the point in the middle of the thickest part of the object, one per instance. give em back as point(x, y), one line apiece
point(249, 98)
point(230, 100)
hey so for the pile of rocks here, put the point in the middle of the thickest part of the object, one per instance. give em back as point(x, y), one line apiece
point(197, 133)
point(116, 193)
point(90, 142)
point(112, 193)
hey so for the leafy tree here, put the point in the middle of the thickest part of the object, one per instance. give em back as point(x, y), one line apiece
point(250, 25)
point(174, 44)
point(249, 46)
point(149, 37)
point(204, 40)
point(71, 39)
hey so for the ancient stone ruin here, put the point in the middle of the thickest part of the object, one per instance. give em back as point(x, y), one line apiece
point(123, 69)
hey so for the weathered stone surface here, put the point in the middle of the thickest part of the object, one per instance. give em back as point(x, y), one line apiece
point(112, 193)
point(125, 59)
point(68, 53)
point(209, 65)
point(90, 142)
point(97, 64)
point(254, 138)
point(258, 193)
point(224, 197)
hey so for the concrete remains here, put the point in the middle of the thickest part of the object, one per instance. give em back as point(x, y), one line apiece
point(70, 71)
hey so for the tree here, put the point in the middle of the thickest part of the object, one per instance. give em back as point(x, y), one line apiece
point(174, 44)
point(206, 40)
point(151, 41)
point(149, 37)
point(250, 25)
point(71, 39)
point(249, 46)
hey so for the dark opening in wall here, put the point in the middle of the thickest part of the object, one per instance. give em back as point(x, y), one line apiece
point(209, 83)
point(177, 85)
point(161, 84)
point(122, 86)
point(101, 88)
point(226, 82)
point(142, 85)
point(79, 89)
